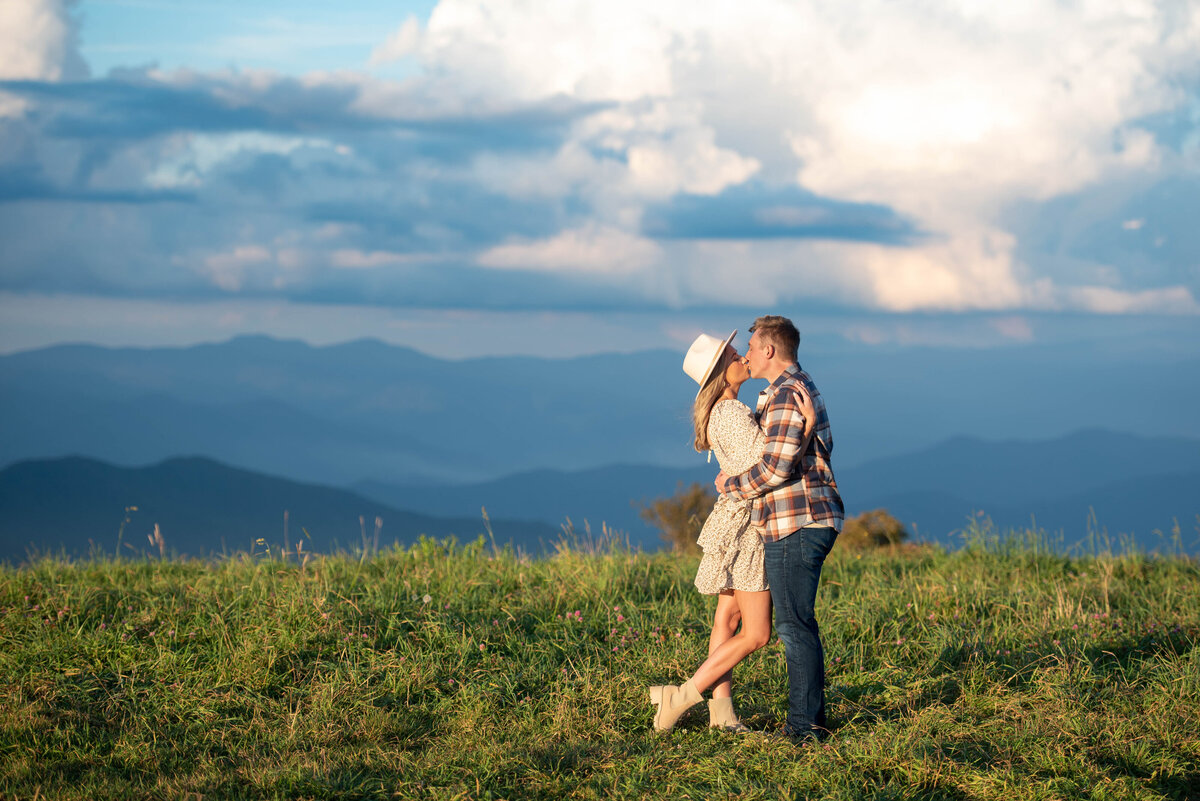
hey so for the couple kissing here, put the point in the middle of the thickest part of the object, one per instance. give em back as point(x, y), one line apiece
point(775, 520)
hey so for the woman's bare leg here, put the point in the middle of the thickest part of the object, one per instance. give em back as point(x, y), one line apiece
point(755, 610)
point(725, 625)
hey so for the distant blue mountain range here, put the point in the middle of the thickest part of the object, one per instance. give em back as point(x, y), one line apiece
point(74, 505)
point(1056, 485)
point(591, 437)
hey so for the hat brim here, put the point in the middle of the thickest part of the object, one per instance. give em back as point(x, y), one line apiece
point(708, 374)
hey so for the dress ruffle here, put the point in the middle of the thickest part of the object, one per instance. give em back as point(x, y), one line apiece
point(733, 551)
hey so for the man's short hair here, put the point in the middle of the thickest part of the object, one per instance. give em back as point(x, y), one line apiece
point(780, 332)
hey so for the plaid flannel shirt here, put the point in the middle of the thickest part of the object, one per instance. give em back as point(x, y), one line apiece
point(791, 489)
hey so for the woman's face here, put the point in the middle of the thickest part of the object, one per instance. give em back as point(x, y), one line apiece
point(737, 372)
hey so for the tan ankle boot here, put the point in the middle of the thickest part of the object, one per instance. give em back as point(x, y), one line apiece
point(722, 716)
point(672, 702)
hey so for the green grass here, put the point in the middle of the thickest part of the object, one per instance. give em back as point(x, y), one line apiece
point(998, 671)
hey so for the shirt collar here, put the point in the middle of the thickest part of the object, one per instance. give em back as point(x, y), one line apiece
point(788, 372)
point(766, 394)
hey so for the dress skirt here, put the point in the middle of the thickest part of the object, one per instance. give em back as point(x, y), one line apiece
point(733, 550)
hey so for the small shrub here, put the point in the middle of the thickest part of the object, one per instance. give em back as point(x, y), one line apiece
point(680, 517)
point(874, 529)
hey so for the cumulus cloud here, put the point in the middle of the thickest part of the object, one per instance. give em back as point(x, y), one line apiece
point(945, 113)
point(401, 43)
point(40, 40)
point(944, 156)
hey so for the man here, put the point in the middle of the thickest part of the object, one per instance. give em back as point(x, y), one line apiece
point(796, 502)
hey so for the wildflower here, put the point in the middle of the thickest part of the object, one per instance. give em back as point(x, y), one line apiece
point(482, 647)
point(324, 616)
point(616, 609)
point(103, 626)
point(620, 618)
point(426, 598)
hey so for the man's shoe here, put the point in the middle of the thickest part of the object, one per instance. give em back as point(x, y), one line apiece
point(672, 702)
point(722, 716)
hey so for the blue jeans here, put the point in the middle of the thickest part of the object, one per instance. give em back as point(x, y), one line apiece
point(793, 566)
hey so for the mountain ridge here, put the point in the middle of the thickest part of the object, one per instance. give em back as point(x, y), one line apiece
point(205, 507)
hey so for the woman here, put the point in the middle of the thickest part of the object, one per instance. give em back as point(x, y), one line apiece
point(732, 566)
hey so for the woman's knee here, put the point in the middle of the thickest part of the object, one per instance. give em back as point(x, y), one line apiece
point(758, 639)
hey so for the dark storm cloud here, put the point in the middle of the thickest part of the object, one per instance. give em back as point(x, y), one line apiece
point(757, 211)
point(139, 108)
point(459, 285)
point(27, 182)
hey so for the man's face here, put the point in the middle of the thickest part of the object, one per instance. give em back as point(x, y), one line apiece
point(757, 355)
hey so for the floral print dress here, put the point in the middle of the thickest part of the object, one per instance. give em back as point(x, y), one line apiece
point(733, 548)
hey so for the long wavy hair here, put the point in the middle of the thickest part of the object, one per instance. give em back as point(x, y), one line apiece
point(707, 399)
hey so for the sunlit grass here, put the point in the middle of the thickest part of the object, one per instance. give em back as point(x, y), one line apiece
point(997, 671)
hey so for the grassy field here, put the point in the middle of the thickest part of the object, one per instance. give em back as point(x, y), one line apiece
point(998, 671)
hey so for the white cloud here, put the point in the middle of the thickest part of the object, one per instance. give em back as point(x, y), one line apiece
point(596, 118)
point(1106, 300)
point(947, 112)
point(591, 249)
point(353, 259)
point(401, 43)
point(38, 41)
point(228, 269)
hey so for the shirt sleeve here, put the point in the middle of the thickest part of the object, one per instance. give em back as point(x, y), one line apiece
point(783, 422)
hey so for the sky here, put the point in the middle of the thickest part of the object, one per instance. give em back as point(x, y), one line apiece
point(475, 177)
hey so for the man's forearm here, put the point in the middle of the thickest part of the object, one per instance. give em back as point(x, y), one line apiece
point(771, 472)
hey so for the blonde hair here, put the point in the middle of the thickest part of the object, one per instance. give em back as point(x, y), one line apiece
point(710, 393)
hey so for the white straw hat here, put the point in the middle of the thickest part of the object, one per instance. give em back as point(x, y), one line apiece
point(702, 358)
